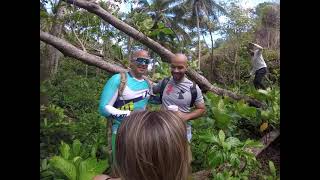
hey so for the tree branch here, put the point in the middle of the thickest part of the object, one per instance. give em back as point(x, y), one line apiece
point(69, 50)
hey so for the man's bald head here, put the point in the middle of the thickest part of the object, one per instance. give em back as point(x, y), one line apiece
point(180, 58)
point(179, 64)
point(140, 53)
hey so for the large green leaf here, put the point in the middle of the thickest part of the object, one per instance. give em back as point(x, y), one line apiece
point(235, 115)
point(221, 106)
point(214, 139)
point(226, 146)
point(272, 168)
point(215, 159)
point(212, 97)
point(245, 111)
point(221, 136)
point(223, 120)
point(101, 166)
point(250, 143)
point(265, 114)
point(44, 164)
point(86, 169)
point(93, 151)
point(206, 138)
point(76, 161)
point(76, 145)
point(64, 166)
point(90, 168)
point(233, 141)
point(64, 150)
point(46, 175)
point(234, 160)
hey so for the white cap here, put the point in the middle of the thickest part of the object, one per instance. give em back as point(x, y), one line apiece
point(173, 108)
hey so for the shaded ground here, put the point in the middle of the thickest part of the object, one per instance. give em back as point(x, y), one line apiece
point(271, 153)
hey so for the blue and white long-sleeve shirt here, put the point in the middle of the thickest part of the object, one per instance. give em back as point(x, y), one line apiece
point(134, 97)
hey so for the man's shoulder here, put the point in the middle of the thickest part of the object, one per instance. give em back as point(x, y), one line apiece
point(166, 80)
point(117, 75)
point(115, 78)
point(188, 82)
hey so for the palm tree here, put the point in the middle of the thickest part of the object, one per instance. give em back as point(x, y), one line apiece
point(204, 8)
point(170, 13)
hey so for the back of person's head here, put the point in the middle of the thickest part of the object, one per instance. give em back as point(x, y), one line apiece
point(152, 146)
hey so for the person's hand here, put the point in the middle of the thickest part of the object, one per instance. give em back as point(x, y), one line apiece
point(183, 116)
point(101, 177)
point(128, 112)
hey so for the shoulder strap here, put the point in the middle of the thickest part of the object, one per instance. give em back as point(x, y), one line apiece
point(123, 82)
point(149, 82)
point(194, 94)
point(163, 86)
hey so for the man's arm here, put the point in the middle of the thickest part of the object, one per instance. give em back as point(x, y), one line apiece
point(257, 46)
point(104, 177)
point(200, 109)
point(109, 96)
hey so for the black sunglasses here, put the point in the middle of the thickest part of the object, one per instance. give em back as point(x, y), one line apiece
point(143, 61)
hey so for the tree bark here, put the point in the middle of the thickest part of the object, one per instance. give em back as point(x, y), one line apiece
point(164, 53)
point(53, 54)
point(199, 45)
point(206, 86)
point(235, 66)
point(216, 76)
point(129, 47)
point(69, 50)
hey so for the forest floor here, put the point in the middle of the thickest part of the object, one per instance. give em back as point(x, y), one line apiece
point(271, 153)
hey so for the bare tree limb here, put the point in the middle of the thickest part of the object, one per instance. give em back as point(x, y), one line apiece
point(69, 50)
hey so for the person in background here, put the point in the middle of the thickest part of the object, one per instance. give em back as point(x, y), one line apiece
point(259, 66)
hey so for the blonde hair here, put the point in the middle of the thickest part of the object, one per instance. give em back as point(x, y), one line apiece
point(152, 146)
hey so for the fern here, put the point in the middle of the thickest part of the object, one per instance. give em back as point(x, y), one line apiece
point(66, 167)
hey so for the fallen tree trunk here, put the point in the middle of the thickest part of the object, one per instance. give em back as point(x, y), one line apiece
point(69, 50)
point(266, 140)
point(164, 53)
point(207, 86)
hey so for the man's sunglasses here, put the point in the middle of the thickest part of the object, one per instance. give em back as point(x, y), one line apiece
point(143, 61)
